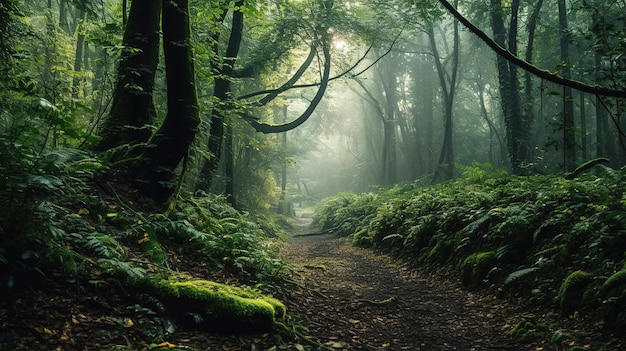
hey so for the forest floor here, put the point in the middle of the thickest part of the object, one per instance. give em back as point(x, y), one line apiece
point(358, 300)
point(345, 298)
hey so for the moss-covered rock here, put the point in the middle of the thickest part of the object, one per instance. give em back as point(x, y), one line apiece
point(441, 252)
point(529, 329)
point(572, 290)
point(216, 306)
point(476, 266)
point(613, 294)
point(362, 238)
point(615, 285)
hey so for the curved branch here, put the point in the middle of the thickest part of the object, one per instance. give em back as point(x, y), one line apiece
point(288, 84)
point(545, 74)
point(341, 75)
point(267, 128)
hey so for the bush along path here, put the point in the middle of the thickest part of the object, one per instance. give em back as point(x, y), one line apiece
point(352, 299)
point(552, 247)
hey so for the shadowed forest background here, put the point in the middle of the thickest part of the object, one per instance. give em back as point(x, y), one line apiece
point(163, 149)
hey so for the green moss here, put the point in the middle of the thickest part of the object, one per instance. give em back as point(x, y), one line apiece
point(572, 290)
point(476, 267)
point(441, 251)
point(529, 329)
point(216, 305)
point(362, 238)
point(151, 247)
point(612, 285)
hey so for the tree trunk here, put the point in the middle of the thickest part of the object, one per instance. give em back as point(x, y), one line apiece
point(282, 205)
point(132, 112)
point(509, 95)
point(170, 145)
point(63, 5)
point(445, 166)
point(569, 137)
point(583, 127)
point(221, 91)
point(529, 97)
point(79, 54)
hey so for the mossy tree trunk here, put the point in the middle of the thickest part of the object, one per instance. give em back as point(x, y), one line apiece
point(569, 136)
point(221, 92)
point(509, 88)
point(132, 111)
point(170, 145)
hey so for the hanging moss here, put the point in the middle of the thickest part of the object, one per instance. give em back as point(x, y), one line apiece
point(476, 266)
point(572, 289)
point(216, 306)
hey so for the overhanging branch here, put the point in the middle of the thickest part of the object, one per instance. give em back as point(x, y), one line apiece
point(545, 74)
point(267, 128)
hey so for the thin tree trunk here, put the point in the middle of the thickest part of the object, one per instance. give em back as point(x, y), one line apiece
point(282, 206)
point(446, 157)
point(221, 91)
point(569, 137)
point(583, 126)
point(79, 54)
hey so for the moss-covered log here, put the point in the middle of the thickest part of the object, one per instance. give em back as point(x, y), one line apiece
point(216, 306)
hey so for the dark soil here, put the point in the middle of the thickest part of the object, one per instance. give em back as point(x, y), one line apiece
point(342, 297)
point(422, 313)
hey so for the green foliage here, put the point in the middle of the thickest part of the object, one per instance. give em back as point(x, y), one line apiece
point(518, 232)
point(476, 267)
point(529, 328)
point(217, 305)
point(226, 238)
point(572, 289)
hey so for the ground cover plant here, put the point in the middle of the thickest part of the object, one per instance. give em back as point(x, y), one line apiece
point(70, 233)
point(539, 240)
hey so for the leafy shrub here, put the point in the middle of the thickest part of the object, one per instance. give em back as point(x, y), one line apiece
point(534, 227)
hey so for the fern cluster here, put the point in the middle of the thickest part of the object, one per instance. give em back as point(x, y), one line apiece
point(537, 227)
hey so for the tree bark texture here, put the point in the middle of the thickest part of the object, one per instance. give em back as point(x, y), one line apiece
point(132, 114)
point(509, 94)
point(445, 166)
point(221, 93)
point(569, 136)
point(170, 145)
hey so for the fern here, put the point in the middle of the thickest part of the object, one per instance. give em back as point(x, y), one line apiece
point(519, 274)
point(115, 267)
point(103, 245)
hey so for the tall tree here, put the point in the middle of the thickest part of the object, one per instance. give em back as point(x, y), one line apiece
point(132, 113)
point(170, 145)
point(509, 85)
point(445, 166)
point(569, 136)
point(221, 92)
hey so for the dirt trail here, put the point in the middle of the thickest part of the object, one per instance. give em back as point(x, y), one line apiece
point(344, 283)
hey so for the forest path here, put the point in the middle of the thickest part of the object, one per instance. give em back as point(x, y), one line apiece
point(342, 282)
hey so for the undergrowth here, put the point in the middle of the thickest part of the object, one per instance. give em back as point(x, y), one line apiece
point(60, 209)
point(509, 235)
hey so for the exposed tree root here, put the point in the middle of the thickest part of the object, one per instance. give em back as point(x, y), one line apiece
point(378, 302)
